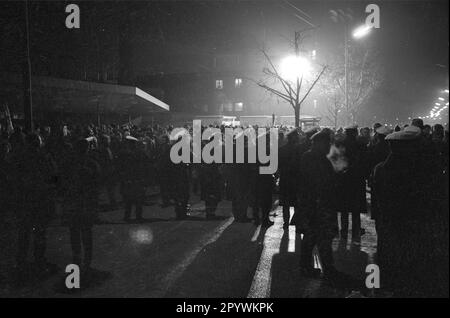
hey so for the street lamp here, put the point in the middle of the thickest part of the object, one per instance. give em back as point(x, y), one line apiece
point(294, 67)
point(361, 31)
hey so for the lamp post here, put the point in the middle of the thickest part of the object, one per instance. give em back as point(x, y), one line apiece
point(357, 33)
point(28, 96)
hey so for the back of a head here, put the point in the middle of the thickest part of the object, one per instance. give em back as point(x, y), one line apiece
point(405, 142)
point(438, 128)
point(321, 141)
point(417, 122)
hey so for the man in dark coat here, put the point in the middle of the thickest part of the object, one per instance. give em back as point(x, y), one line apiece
point(35, 179)
point(318, 203)
point(240, 181)
point(303, 146)
point(164, 164)
point(412, 220)
point(80, 182)
point(5, 177)
point(180, 179)
point(378, 152)
point(288, 157)
point(353, 190)
point(132, 166)
point(105, 158)
point(211, 187)
point(261, 190)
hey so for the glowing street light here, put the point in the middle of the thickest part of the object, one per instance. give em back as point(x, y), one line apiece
point(440, 98)
point(294, 67)
point(446, 91)
point(361, 31)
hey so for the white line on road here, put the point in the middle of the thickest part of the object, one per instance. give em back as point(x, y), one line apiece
point(260, 287)
point(176, 271)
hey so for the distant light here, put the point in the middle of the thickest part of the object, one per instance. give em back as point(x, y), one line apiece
point(293, 67)
point(361, 31)
point(142, 235)
point(446, 91)
point(440, 98)
point(437, 104)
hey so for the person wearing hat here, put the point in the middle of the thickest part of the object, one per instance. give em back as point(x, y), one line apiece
point(409, 196)
point(353, 189)
point(428, 150)
point(317, 201)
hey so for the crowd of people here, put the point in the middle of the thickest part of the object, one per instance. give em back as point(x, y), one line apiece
point(321, 172)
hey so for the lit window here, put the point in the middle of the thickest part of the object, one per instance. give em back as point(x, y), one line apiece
point(219, 84)
point(238, 107)
point(238, 82)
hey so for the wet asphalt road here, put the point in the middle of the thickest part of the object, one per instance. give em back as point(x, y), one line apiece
point(163, 257)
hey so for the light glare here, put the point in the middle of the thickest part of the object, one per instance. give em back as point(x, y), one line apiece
point(361, 31)
point(293, 67)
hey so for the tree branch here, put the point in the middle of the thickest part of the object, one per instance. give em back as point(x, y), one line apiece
point(313, 84)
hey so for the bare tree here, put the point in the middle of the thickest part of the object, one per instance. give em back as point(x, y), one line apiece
point(333, 109)
point(365, 76)
point(293, 92)
point(334, 101)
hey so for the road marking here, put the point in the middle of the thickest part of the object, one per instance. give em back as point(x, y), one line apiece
point(261, 283)
point(175, 273)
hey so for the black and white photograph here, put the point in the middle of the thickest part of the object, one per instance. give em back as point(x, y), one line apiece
point(224, 155)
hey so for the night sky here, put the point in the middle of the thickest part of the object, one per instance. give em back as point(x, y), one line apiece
point(411, 44)
point(180, 36)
